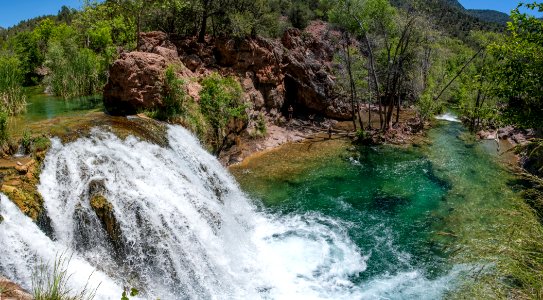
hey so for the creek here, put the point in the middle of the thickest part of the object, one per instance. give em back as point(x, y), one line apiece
point(305, 221)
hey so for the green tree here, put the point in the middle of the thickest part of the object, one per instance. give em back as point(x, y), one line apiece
point(517, 77)
point(220, 102)
point(73, 71)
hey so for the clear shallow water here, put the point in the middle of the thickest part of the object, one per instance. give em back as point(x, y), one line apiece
point(42, 107)
point(422, 216)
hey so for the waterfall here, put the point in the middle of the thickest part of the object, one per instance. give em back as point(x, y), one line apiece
point(184, 230)
point(448, 117)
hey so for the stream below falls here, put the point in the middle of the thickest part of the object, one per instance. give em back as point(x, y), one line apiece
point(306, 221)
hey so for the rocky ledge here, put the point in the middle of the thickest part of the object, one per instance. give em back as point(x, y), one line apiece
point(275, 73)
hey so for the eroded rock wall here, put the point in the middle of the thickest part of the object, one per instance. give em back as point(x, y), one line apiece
point(275, 73)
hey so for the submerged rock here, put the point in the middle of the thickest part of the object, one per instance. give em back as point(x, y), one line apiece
point(104, 210)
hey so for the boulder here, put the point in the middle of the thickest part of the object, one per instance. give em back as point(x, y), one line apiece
point(10, 290)
point(136, 82)
point(104, 211)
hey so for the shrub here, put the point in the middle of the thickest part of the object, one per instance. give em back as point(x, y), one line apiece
point(174, 96)
point(261, 128)
point(3, 127)
point(73, 72)
point(300, 15)
point(12, 97)
point(220, 103)
point(179, 107)
point(26, 141)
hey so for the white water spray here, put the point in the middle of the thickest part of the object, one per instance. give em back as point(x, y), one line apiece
point(448, 117)
point(186, 230)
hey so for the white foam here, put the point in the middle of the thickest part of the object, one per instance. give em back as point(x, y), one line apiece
point(448, 117)
point(24, 246)
point(187, 229)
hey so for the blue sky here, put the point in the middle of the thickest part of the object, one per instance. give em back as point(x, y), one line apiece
point(500, 5)
point(14, 11)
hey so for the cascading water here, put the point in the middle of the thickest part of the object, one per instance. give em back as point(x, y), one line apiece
point(186, 231)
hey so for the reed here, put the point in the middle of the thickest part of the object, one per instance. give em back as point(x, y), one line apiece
point(73, 72)
point(51, 282)
point(12, 97)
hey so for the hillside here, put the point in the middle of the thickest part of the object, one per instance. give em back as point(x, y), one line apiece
point(488, 15)
point(451, 17)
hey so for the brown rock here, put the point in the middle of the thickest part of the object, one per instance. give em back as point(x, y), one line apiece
point(136, 82)
point(104, 210)
point(193, 62)
point(293, 71)
point(149, 41)
point(12, 291)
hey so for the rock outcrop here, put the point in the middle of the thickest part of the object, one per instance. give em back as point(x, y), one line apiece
point(12, 291)
point(135, 83)
point(295, 70)
point(104, 211)
point(136, 79)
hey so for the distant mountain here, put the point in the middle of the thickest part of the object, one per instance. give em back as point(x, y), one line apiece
point(26, 25)
point(490, 15)
point(454, 3)
point(450, 16)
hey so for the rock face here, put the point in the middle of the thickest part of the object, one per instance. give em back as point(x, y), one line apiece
point(135, 83)
point(295, 70)
point(12, 291)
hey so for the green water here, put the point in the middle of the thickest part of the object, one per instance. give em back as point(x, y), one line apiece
point(41, 106)
point(427, 211)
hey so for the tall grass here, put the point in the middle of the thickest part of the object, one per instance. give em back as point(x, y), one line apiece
point(3, 127)
point(12, 97)
point(51, 282)
point(73, 72)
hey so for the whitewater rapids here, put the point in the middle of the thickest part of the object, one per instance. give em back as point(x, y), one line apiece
point(187, 231)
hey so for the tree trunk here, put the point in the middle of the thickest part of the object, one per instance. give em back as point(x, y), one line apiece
point(203, 24)
point(374, 75)
point(398, 109)
point(351, 79)
point(138, 30)
point(360, 121)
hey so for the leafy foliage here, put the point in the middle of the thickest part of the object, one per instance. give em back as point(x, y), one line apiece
point(517, 74)
point(12, 98)
point(174, 96)
point(3, 127)
point(220, 103)
point(73, 71)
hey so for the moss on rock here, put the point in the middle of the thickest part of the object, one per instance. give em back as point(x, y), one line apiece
point(104, 211)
